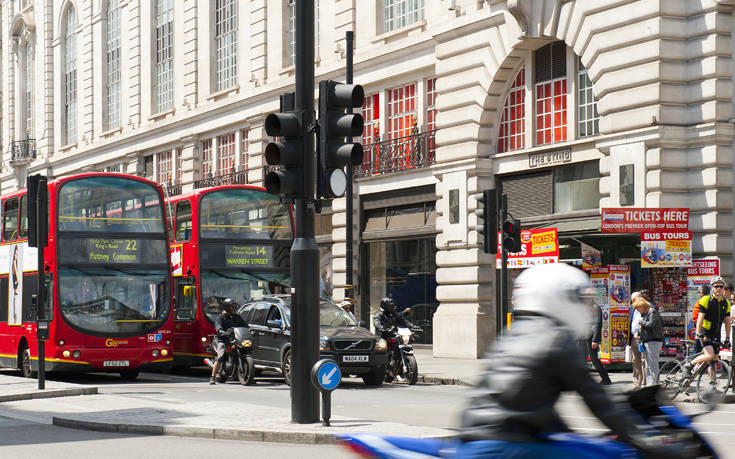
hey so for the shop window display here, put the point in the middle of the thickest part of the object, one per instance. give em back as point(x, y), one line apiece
point(668, 287)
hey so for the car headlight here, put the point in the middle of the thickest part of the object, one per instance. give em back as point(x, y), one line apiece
point(246, 343)
point(381, 345)
point(323, 345)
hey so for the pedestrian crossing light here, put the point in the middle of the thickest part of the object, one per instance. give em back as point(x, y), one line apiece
point(287, 151)
point(336, 130)
point(512, 235)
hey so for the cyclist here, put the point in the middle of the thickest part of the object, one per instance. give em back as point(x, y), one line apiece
point(713, 310)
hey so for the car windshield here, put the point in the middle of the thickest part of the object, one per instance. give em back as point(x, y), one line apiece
point(330, 315)
point(240, 286)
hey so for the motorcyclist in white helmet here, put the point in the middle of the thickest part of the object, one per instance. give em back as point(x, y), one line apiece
point(512, 407)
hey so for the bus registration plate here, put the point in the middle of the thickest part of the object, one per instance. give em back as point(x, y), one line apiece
point(116, 363)
point(356, 358)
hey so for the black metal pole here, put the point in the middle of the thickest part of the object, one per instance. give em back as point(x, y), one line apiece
point(326, 407)
point(304, 252)
point(349, 39)
point(41, 242)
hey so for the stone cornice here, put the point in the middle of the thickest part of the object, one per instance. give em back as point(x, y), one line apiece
point(467, 25)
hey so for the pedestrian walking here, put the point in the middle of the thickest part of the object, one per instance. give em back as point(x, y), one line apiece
point(589, 344)
point(639, 369)
point(652, 335)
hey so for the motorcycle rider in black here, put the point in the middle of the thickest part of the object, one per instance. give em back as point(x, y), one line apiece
point(512, 406)
point(224, 325)
point(388, 318)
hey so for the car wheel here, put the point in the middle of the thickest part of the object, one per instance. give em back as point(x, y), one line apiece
point(375, 377)
point(286, 366)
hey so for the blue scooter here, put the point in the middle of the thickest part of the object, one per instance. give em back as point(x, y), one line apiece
point(673, 428)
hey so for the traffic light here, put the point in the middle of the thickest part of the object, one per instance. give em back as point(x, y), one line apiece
point(336, 152)
point(287, 151)
point(487, 224)
point(512, 235)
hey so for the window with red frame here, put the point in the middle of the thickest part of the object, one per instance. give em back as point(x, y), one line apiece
point(179, 165)
point(244, 145)
point(551, 93)
point(430, 88)
point(164, 167)
point(512, 132)
point(401, 111)
point(226, 153)
point(371, 117)
point(207, 159)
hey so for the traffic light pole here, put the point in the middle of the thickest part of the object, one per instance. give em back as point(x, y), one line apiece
point(304, 252)
point(349, 38)
point(503, 268)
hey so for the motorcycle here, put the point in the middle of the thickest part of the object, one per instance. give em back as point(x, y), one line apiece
point(674, 430)
point(238, 357)
point(402, 365)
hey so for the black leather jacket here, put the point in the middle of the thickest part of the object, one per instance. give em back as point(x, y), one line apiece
point(383, 322)
point(524, 374)
point(652, 327)
point(227, 321)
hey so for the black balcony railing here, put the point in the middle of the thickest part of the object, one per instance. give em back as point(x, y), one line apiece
point(408, 152)
point(23, 150)
point(173, 189)
point(233, 178)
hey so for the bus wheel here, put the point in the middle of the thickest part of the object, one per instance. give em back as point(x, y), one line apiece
point(129, 375)
point(25, 362)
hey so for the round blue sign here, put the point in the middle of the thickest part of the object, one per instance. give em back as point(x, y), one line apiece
point(326, 374)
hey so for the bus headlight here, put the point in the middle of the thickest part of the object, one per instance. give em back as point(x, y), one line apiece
point(155, 353)
point(164, 352)
point(61, 342)
point(381, 345)
point(66, 354)
point(76, 354)
point(168, 342)
point(204, 339)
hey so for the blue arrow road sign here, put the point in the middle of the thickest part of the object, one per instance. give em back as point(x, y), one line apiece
point(328, 375)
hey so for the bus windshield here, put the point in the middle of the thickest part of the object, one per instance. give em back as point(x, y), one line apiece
point(114, 302)
point(109, 204)
point(243, 214)
point(240, 286)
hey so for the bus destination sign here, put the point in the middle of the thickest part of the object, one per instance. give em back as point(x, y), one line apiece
point(237, 255)
point(113, 250)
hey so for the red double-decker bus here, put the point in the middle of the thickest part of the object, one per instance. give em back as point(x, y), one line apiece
point(107, 278)
point(231, 241)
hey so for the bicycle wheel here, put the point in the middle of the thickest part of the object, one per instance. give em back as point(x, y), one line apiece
point(671, 377)
point(713, 381)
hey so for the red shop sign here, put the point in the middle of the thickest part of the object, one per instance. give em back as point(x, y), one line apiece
point(641, 219)
point(708, 267)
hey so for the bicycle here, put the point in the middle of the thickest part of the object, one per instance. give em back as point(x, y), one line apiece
point(709, 389)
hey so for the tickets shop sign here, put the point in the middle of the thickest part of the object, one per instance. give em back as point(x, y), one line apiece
point(639, 220)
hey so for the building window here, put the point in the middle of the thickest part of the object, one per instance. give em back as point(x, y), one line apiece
point(164, 168)
point(577, 187)
point(225, 43)
point(226, 153)
point(70, 78)
point(627, 185)
point(112, 95)
point(244, 146)
point(546, 111)
point(291, 31)
point(164, 55)
point(430, 88)
point(512, 133)
point(371, 117)
point(28, 89)
point(148, 167)
point(113, 168)
point(400, 13)
point(588, 119)
point(401, 111)
point(207, 159)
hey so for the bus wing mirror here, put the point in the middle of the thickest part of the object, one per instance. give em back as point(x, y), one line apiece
point(188, 290)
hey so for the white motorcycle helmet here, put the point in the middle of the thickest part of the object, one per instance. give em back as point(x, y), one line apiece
point(558, 291)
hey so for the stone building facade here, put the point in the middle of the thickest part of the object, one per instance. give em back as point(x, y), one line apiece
point(567, 106)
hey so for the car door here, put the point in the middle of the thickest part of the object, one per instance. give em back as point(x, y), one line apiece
point(257, 333)
point(272, 337)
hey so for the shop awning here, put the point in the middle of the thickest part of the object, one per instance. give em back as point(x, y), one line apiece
point(571, 226)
